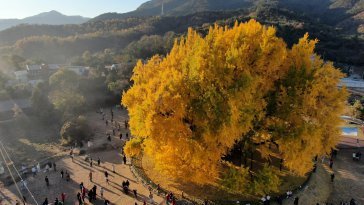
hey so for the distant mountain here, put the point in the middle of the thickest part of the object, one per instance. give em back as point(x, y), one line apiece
point(50, 18)
point(338, 24)
point(179, 8)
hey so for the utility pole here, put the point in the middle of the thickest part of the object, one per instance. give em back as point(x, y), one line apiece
point(162, 13)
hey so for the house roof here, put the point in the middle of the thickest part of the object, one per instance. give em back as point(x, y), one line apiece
point(20, 72)
point(33, 67)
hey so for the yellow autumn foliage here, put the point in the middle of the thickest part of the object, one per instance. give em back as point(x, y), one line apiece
point(191, 107)
point(133, 148)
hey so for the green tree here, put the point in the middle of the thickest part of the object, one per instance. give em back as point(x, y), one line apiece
point(75, 130)
point(67, 102)
point(65, 94)
point(41, 104)
point(64, 79)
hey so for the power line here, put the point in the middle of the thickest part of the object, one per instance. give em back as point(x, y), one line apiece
point(7, 154)
point(12, 177)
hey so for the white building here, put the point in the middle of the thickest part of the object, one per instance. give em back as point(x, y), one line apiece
point(21, 76)
point(352, 83)
point(33, 83)
point(79, 70)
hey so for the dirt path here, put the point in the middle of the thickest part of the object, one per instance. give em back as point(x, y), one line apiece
point(348, 183)
point(317, 190)
point(79, 170)
point(349, 179)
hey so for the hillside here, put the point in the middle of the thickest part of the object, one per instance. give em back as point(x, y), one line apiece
point(345, 14)
point(179, 8)
point(339, 39)
point(50, 18)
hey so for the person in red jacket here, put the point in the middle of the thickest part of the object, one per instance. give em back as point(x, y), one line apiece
point(63, 197)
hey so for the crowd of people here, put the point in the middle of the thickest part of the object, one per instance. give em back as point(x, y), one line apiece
point(85, 193)
point(92, 193)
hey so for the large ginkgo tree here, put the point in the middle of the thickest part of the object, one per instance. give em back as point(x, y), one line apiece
point(242, 84)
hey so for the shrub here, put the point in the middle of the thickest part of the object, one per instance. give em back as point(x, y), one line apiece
point(75, 130)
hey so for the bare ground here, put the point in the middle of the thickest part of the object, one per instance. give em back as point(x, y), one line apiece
point(29, 146)
point(80, 169)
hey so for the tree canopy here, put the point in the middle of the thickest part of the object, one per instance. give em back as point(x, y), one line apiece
point(189, 109)
point(65, 94)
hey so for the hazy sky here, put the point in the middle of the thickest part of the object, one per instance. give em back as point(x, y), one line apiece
point(87, 8)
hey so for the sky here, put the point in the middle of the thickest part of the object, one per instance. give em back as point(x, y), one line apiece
point(86, 8)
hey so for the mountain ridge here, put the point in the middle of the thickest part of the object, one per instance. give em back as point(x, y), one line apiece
point(343, 13)
point(50, 18)
point(339, 40)
point(178, 8)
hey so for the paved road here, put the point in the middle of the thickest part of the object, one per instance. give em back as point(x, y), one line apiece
point(8, 105)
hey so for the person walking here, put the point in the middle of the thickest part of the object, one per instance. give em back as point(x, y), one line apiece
point(62, 174)
point(24, 200)
point(90, 195)
point(135, 193)
point(56, 202)
point(124, 159)
point(314, 168)
point(331, 163)
point(332, 177)
point(54, 166)
point(47, 181)
point(102, 192)
point(263, 199)
point(81, 186)
point(151, 197)
point(107, 177)
point(45, 201)
point(94, 191)
point(91, 162)
point(98, 161)
point(296, 201)
point(63, 197)
point(68, 176)
point(79, 198)
point(121, 135)
point(83, 193)
point(90, 176)
point(280, 200)
point(34, 171)
point(113, 168)
point(71, 154)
